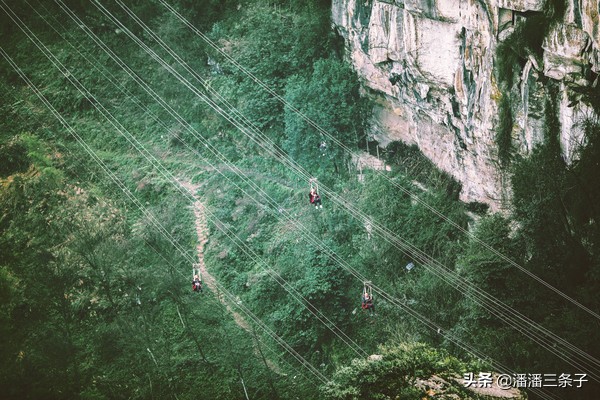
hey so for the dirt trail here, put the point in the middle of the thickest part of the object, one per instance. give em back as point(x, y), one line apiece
point(209, 280)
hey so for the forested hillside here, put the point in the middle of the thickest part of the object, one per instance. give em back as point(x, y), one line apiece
point(119, 120)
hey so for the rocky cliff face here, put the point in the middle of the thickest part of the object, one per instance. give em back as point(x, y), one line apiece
point(430, 66)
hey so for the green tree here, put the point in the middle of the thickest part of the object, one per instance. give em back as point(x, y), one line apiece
point(485, 269)
point(272, 41)
point(394, 375)
point(329, 97)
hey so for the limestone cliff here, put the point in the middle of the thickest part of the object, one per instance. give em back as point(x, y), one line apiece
point(431, 66)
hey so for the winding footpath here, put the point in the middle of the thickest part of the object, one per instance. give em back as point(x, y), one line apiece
point(209, 281)
point(202, 233)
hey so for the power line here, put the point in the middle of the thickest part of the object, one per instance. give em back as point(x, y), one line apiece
point(131, 140)
point(402, 245)
point(156, 223)
point(289, 288)
point(413, 196)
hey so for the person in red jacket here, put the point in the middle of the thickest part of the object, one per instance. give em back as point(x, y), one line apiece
point(314, 198)
point(367, 303)
point(197, 284)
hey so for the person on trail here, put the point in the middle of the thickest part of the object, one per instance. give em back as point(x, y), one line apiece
point(314, 198)
point(367, 303)
point(197, 284)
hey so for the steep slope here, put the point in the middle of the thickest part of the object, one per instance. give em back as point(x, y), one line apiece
point(209, 279)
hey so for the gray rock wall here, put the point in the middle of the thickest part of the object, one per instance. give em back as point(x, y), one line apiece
point(429, 65)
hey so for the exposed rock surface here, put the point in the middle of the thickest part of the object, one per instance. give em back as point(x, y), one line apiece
point(429, 65)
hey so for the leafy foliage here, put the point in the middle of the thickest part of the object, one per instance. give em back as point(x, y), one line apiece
point(394, 375)
point(330, 98)
point(511, 54)
point(549, 195)
point(504, 131)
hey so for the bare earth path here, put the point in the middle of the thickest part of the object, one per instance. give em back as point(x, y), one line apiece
point(209, 280)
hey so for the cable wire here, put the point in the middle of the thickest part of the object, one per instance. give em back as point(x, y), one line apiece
point(493, 308)
point(156, 223)
point(413, 196)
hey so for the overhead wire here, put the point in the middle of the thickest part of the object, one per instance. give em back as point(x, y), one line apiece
point(520, 316)
point(157, 224)
point(279, 279)
point(311, 308)
point(68, 75)
point(438, 329)
point(362, 278)
point(289, 288)
point(413, 196)
point(214, 300)
point(151, 218)
point(545, 331)
point(177, 271)
point(493, 308)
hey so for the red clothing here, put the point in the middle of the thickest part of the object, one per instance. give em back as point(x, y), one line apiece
point(313, 196)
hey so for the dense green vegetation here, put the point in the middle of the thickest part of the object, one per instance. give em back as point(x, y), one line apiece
point(402, 372)
point(96, 303)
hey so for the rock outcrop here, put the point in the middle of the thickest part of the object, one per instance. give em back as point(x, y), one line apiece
point(430, 67)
